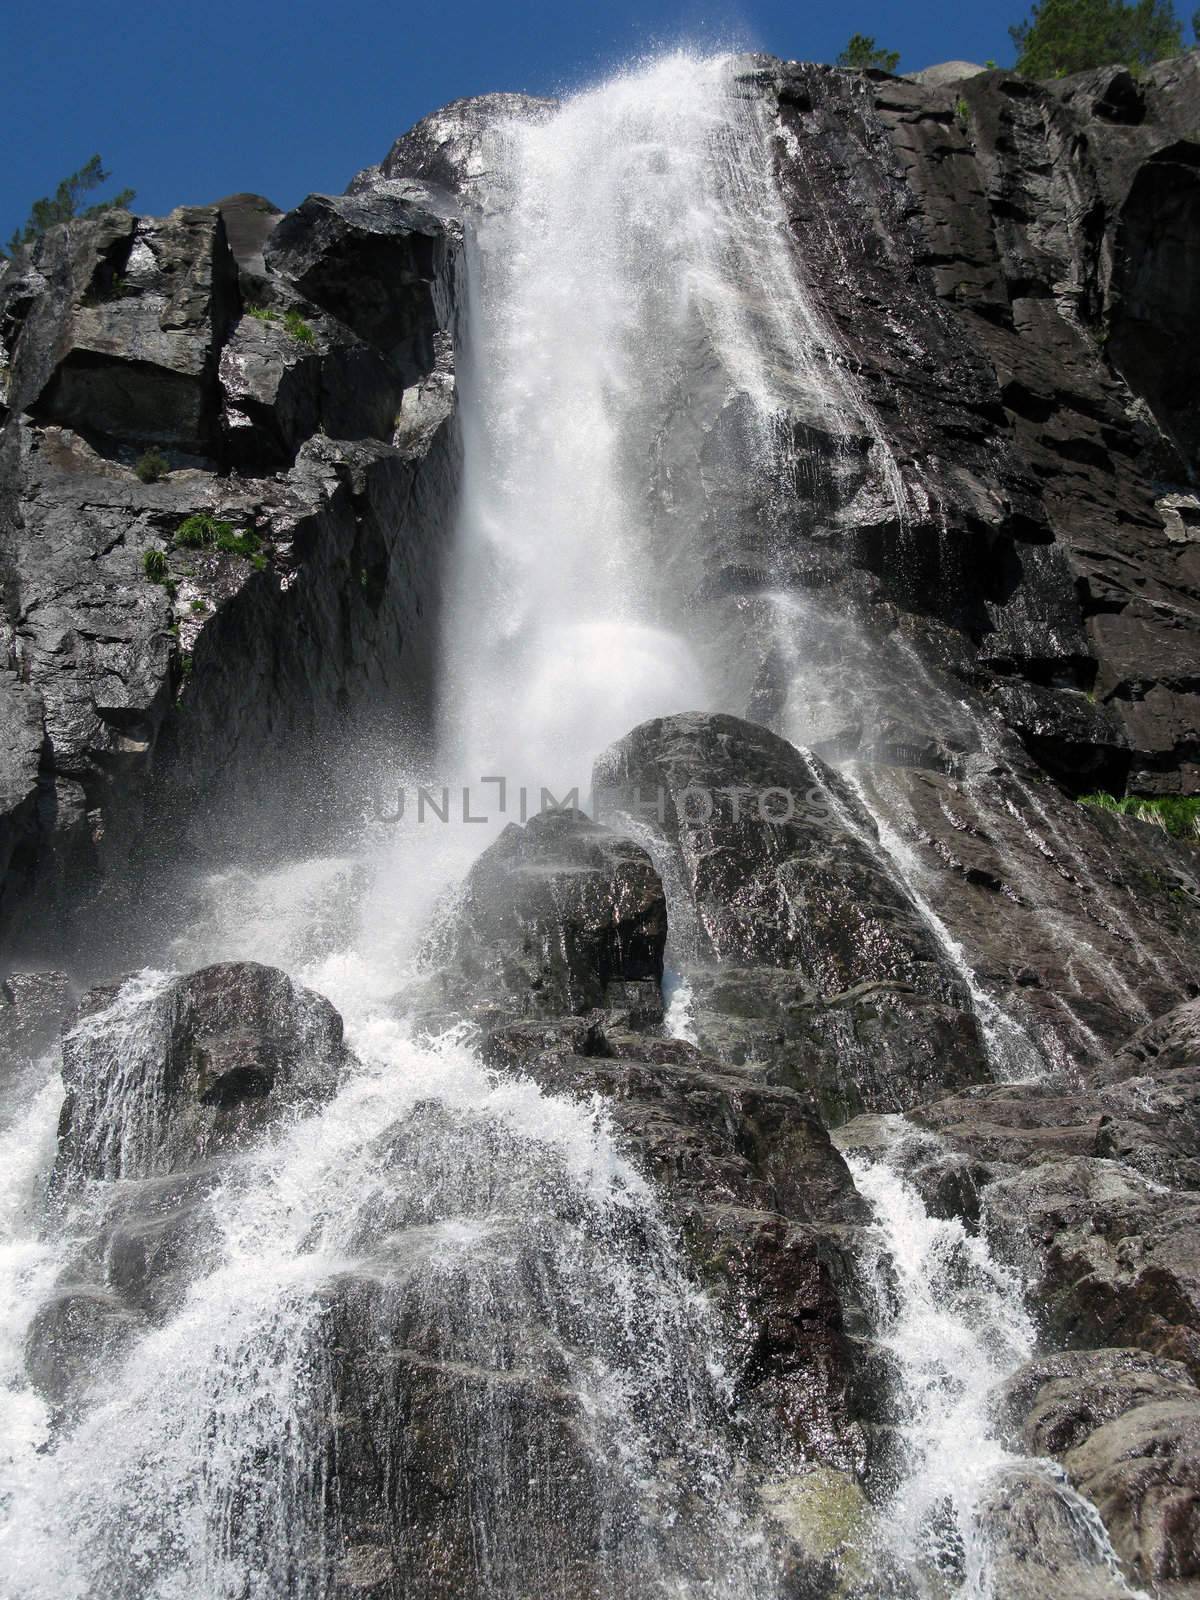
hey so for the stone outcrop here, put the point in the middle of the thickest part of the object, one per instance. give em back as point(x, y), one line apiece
point(210, 1062)
point(156, 372)
point(1126, 1428)
point(557, 918)
point(806, 959)
point(167, 1085)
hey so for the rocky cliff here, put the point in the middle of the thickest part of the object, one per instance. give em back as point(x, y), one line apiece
point(231, 457)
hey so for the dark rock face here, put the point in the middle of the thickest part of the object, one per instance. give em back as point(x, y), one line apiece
point(128, 345)
point(118, 325)
point(210, 1063)
point(557, 918)
point(806, 957)
point(376, 261)
point(1002, 239)
point(1080, 923)
point(443, 1378)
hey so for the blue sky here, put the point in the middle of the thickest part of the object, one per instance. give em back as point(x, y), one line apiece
point(187, 104)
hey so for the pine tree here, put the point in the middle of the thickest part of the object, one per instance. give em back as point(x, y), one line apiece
point(863, 52)
point(65, 203)
point(1065, 36)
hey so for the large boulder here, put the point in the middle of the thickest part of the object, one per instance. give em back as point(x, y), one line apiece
point(556, 918)
point(137, 310)
point(803, 953)
point(376, 260)
point(163, 1081)
point(170, 1083)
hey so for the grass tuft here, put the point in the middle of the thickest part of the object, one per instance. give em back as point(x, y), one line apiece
point(1178, 815)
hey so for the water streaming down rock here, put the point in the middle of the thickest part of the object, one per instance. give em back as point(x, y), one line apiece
point(963, 1511)
point(632, 269)
point(430, 1331)
point(457, 1275)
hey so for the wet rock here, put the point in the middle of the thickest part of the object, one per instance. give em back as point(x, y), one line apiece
point(950, 1182)
point(167, 1086)
point(202, 1067)
point(805, 957)
point(1150, 1090)
point(825, 1520)
point(1116, 1258)
point(1057, 1402)
point(766, 1205)
point(1078, 922)
point(450, 148)
point(712, 1137)
point(1140, 1108)
point(72, 1335)
point(1126, 1427)
point(556, 918)
point(1015, 1124)
point(1041, 1540)
point(34, 1007)
point(489, 1327)
point(1141, 1472)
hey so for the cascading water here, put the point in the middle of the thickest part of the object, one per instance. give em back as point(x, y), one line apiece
point(954, 1324)
point(535, 1319)
point(540, 1297)
point(636, 246)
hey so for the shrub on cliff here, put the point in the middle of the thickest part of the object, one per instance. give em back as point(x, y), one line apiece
point(1065, 36)
point(64, 205)
point(862, 51)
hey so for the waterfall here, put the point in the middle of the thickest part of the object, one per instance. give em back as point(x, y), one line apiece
point(635, 248)
point(524, 1300)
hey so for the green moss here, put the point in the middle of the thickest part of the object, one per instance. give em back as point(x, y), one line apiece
point(154, 565)
point(152, 466)
point(199, 607)
point(826, 1514)
point(1178, 815)
point(263, 314)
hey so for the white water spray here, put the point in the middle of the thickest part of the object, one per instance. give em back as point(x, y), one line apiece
point(953, 1321)
point(637, 242)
